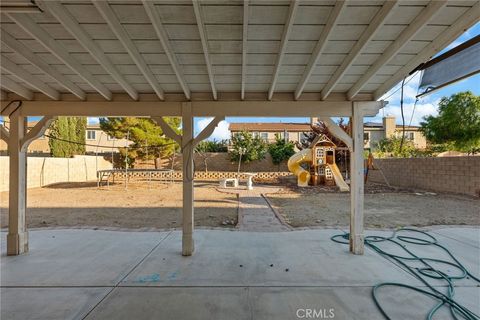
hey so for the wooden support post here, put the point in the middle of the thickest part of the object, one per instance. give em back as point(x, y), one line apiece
point(188, 143)
point(188, 175)
point(17, 237)
point(356, 184)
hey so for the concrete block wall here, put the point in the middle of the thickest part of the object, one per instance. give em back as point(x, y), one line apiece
point(221, 162)
point(447, 174)
point(44, 171)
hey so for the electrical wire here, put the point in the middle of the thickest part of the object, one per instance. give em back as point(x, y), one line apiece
point(424, 273)
point(100, 146)
point(103, 146)
point(403, 117)
point(406, 82)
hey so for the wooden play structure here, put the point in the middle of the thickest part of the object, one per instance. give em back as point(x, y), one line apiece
point(319, 160)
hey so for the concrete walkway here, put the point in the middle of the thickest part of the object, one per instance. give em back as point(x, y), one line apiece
point(95, 274)
point(254, 213)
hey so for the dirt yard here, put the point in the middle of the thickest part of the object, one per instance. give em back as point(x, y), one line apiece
point(82, 204)
point(159, 207)
point(384, 207)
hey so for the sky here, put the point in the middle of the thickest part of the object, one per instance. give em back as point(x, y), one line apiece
point(427, 105)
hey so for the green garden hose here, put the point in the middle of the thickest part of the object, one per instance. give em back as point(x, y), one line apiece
point(423, 274)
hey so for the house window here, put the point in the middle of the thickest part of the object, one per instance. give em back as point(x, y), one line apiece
point(91, 134)
point(255, 134)
point(264, 135)
point(366, 136)
point(410, 135)
point(110, 138)
point(286, 136)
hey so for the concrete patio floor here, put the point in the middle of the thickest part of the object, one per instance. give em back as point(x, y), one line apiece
point(95, 274)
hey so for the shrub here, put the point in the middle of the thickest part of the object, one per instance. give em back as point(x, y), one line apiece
point(212, 146)
point(281, 150)
point(250, 148)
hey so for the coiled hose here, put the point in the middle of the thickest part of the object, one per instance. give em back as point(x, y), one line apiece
point(423, 274)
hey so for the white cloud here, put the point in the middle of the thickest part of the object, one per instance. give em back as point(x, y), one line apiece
point(422, 109)
point(425, 106)
point(221, 132)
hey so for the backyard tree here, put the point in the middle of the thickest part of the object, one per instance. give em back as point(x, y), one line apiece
point(281, 150)
point(457, 123)
point(67, 136)
point(212, 146)
point(392, 147)
point(148, 141)
point(206, 148)
point(246, 147)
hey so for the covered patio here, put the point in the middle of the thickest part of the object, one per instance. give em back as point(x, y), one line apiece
point(210, 59)
point(98, 274)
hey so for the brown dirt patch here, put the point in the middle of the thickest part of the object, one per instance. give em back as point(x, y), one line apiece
point(384, 207)
point(160, 206)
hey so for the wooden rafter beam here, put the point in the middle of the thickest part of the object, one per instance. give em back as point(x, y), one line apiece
point(283, 46)
point(197, 7)
point(58, 50)
point(415, 26)
point(13, 86)
point(199, 108)
point(465, 21)
point(57, 10)
point(104, 8)
point(22, 50)
point(374, 26)
point(320, 46)
point(244, 47)
point(22, 74)
point(163, 37)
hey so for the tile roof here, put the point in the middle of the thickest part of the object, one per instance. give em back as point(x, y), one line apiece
point(270, 126)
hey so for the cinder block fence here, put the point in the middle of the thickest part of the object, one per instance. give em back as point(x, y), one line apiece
point(450, 174)
point(43, 171)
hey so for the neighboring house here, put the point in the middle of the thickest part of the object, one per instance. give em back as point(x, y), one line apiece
point(267, 131)
point(373, 132)
point(97, 142)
